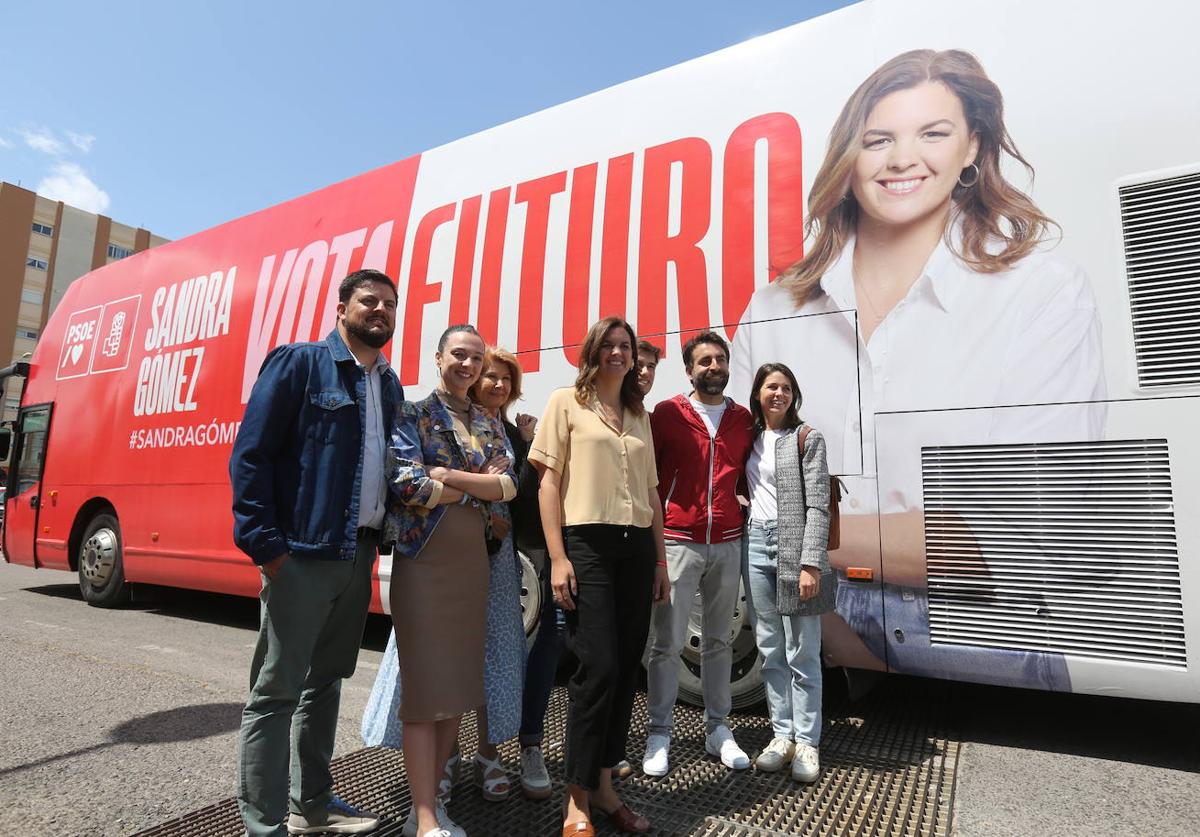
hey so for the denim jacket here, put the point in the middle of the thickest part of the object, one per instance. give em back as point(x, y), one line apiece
point(296, 465)
point(423, 436)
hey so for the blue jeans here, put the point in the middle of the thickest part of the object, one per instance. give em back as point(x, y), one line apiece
point(790, 645)
point(906, 610)
point(542, 664)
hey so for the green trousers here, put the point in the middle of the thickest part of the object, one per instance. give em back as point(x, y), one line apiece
point(313, 615)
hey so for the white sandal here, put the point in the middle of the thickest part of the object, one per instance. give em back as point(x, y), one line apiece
point(449, 777)
point(491, 786)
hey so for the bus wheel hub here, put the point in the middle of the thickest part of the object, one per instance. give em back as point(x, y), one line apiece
point(98, 557)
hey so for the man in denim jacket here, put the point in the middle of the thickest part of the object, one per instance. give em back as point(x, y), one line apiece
point(309, 497)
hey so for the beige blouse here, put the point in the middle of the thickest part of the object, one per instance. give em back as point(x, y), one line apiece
point(606, 475)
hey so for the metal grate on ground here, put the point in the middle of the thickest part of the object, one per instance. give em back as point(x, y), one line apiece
point(888, 770)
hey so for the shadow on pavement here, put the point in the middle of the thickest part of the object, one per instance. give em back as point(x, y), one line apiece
point(1152, 733)
point(185, 723)
point(57, 591)
point(210, 608)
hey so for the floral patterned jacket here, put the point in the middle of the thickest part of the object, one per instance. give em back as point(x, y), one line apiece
point(423, 437)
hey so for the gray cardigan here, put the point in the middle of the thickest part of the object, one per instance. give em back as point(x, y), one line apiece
point(802, 493)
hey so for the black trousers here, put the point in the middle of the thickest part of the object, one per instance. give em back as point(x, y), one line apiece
point(614, 577)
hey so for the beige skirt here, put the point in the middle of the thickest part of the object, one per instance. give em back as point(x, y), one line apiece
point(439, 608)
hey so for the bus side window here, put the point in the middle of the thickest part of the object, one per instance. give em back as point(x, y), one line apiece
point(34, 425)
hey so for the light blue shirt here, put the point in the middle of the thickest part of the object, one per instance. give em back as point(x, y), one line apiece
point(372, 498)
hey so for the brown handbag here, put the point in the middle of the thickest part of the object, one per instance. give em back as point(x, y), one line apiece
point(835, 496)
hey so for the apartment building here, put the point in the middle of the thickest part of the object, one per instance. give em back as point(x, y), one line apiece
point(46, 245)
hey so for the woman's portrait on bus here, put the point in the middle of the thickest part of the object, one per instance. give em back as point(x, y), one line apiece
point(930, 286)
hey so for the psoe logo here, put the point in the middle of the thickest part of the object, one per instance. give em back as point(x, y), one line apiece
point(80, 340)
point(99, 339)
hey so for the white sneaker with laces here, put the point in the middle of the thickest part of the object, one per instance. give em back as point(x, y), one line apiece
point(657, 761)
point(446, 825)
point(806, 765)
point(535, 779)
point(720, 743)
point(775, 755)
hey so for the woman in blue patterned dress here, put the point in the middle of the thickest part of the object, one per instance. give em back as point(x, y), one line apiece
point(504, 659)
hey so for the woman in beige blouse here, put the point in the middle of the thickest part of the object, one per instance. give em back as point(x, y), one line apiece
point(603, 524)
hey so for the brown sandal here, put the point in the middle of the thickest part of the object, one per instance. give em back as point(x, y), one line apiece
point(626, 819)
point(581, 828)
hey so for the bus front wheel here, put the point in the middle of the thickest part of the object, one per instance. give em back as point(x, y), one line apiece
point(101, 569)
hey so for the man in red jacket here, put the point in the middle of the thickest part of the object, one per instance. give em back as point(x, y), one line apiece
point(701, 442)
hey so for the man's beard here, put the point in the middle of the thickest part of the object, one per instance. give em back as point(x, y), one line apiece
point(710, 384)
point(374, 339)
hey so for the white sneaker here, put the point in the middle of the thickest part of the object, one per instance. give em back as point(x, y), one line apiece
point(656, 761)
point(720, 743)
point(535, 779)
point(775, 755)
point(446, 826)
point(806, 766)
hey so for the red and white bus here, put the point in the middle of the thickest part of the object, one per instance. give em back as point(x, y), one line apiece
point(1016, 526)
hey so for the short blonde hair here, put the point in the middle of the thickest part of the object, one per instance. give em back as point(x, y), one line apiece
point(497, 354)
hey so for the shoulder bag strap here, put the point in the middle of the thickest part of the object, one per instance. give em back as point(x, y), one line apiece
point(800, 437)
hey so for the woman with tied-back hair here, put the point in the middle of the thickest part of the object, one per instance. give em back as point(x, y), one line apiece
point(602, 520)
point(929, 283)
point(452, 462)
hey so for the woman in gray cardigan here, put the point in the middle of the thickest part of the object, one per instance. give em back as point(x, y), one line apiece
point(785, 568)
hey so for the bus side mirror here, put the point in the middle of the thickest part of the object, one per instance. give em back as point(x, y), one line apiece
point(5, 442)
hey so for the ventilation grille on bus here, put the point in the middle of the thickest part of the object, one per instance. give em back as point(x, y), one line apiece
point(1161, 224)
point(1065, 547)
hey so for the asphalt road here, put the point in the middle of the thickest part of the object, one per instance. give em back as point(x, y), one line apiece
point(118, 720)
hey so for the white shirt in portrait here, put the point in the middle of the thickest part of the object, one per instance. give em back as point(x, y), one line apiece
point(959, 339)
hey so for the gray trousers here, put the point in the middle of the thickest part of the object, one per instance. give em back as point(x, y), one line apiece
point(713, 571)
point(313, 615)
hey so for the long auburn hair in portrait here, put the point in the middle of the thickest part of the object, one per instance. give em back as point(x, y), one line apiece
point(589, 366)
point(1000, 224)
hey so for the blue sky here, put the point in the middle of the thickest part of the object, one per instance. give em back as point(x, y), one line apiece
point(179, 116)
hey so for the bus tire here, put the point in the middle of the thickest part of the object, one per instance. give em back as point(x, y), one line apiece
point(101, 567)
point(531, 599)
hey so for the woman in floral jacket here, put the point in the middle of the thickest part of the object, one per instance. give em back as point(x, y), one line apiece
point(452, 461)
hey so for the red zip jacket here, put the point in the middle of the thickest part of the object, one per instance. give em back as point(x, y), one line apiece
point(698, 476)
